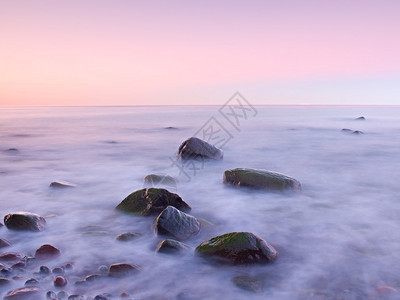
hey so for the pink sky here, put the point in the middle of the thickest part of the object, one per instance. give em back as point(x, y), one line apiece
point(97, 52)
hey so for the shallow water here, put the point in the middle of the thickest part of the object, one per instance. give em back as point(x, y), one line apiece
point(337, 239)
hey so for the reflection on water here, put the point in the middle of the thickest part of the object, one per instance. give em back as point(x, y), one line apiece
point(338, 239)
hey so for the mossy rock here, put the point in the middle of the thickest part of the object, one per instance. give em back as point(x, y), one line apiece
point(24, 221)
point(171, 246)
point(194, 148)
point(238, 248)
point(151, 201)
point(176, 223)
point(261, 179)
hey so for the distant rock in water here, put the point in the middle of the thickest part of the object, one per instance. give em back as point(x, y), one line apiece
point(171, 128)
point(238, 248)
point(127, 236)
point(61, 184)
point(153, 180)
point(12, 150)
point(171, 246)
point(347, 130)
point(194, 148)
point(172, 221)
point(47, 251)
point(360, 119)
point(24, 221)
point(25, 293)
point(152, 201)
point(261, 179)
point(4, 243)
point(357, 132)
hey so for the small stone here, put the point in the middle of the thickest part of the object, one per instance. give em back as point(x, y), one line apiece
point(23, 293)
point(68, 266)
point(127, 236)
point(4, 281)
point(248, 283)
point(46, 252)
point(6, 271)
point(62, 295)
point(76, 297)
point(60, 281)
point(44, 270)
point(4, 243)
point(62, 184)
point(100, 297)
point(31, 282)
point(357, 132)
point(51, 295)
point(124, 295)
point(93, 277)
point(347, 130)
point(103, 269)
point(360, 118)
point(24, 221)
point(121, 269)
point(10, 256)
point(18, 266)
point(171, 246)
point(58, 271)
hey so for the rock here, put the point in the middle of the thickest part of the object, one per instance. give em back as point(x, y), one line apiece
point(47, 251)
point(238, 248)
point(176, 223)
point(347, 130)
point(51, 295)
point(4, 281)
point(44, 270)
point(31, 282)
point(194, 148)
point(160, 179)
point(10, 256)
point(60, 281)
point(58, 270)
point(19, 266)
point(171, 246)
point(61, 184)
point(121, 270)
point(360, 118)
point(100, 297)
point(261, 179)
point(25, 293)
point(171, 128)
point(248, 283)
point(93, 277)
point(151, 201)
point(127, 236)
point(62, 295)
point(4, 243)
point(357, 132)
point(124, 295)
point(76, 297)
point(24, 221)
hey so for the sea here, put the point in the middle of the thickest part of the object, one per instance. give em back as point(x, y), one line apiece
point(339, 238)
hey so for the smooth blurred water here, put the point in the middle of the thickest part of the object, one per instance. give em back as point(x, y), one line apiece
point(338, 238)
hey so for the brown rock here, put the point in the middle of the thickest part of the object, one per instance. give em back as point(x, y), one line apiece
point(4, 243)
point(24, 221)
point(60, 281)
point(121, 269)
point(25, 293)
point(47, 251)
point(11, 256)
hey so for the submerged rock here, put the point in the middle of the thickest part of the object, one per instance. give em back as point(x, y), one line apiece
point(152, 201)
point(127, 236)
point(11, 256)
point(176, 223)
point(261, 179)
point(194, 148)
point(25, 293)
point(24, 221)
point(347, 130)
point(4, 281)
point(238, 248)
point(47, 251)
point(171, 246)
point(360, 118)
point(61, 184)
point(121, 270)
point(357, 132)
point(4, 243)
point(160, 179)
point(248, 283)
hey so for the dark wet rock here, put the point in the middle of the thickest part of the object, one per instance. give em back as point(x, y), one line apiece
point(261, 179)
point(4, 281)
point(360, 118)
point(152, 201)
point(76, 297)
point(44, 270)
point(121, 270)
point(60, 281)
point(93, 277)
point(357, 132)
point(160, 179)
point(4, 243)
point(31, 282)
point(171, 246)
point(6, 272)
point(174, 222)
point(61, 184)
point(51, 295)
point(127, 236)
point(100, 297)
point(194, 148)
point(19, 266)
point(47, 251)
point(171, 128)
point(248, 283)
point(58, 271)
point(10, 256)
point(62, 295)
point(238, 248)
point(25, 293)
point(24, 221)
point(347, 130)
point(124, 295)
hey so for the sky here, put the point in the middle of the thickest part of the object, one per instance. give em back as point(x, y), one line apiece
point(128, 52)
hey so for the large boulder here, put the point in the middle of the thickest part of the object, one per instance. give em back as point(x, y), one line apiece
point(25, 293)
point(238, 248)
point(194, 148)
point(151, 201)
point(24, 221)
point(174, 222)
point(261, 179)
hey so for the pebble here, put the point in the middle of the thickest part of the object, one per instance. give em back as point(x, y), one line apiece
point(60, 281)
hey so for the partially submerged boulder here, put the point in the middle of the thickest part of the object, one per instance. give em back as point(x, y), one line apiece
point(24, 221)
point(121, 270)
point(238, 248)
point(152, 201)
point(62, 184)
point(174, 222)
point(171, 246)
point(4, 243)
point(10, 256)
point(47, 251)
point(194, 148)
point(127, 236)
point(25, 293)
point(261, 179)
